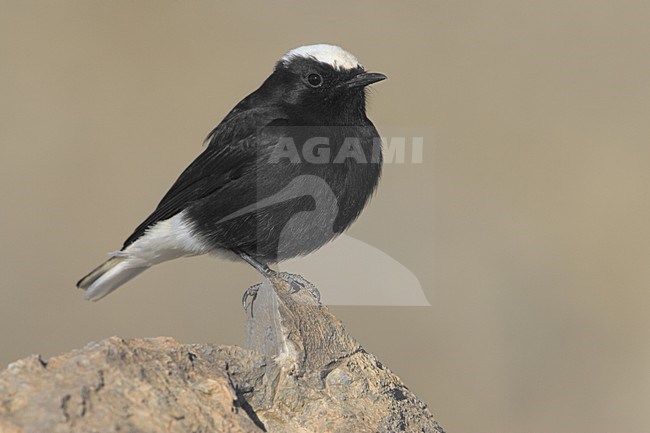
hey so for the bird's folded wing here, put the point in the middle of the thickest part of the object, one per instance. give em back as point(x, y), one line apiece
point(232, 147)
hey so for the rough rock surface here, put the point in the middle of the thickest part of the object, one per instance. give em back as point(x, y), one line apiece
point(302, 373)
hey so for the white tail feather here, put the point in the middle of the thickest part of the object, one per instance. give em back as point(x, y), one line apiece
point(110, 276)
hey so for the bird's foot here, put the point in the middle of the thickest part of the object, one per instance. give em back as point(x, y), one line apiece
point(298, 283)
point(250, 293)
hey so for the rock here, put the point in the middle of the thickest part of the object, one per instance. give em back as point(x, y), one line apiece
point(302, 372)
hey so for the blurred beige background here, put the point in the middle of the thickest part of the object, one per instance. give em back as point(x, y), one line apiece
point(527, 223)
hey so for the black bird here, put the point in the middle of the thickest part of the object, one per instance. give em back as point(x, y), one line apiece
point(286, 171)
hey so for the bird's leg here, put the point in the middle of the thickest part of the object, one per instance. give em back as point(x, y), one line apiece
point(296, 282)
point(260, 267)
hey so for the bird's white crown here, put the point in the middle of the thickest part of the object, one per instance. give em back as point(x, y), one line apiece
point(332, 55)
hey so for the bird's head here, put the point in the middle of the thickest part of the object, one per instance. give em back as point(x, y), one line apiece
point(322, 82)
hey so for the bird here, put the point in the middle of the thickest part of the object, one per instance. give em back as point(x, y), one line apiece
point(287, 170)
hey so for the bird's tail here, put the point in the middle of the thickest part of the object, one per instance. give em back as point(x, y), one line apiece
point(109, 276)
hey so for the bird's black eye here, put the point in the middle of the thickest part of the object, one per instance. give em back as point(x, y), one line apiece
point(314, 79)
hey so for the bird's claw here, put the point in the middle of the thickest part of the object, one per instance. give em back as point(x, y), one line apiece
point(298, 283)
point(251, 293)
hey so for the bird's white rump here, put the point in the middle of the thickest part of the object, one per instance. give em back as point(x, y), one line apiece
point(166, 240)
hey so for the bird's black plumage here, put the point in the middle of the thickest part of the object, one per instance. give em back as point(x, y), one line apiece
point(251, 193)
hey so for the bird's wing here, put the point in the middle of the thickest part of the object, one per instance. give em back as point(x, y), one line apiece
point(232, 146)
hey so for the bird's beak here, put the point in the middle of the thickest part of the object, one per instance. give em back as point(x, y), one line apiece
point(363, 79)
